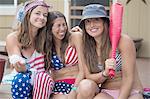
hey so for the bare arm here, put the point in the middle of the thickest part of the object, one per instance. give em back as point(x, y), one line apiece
point(76, 40)
point(97, 77)
point(127, 49)
point(12, 47)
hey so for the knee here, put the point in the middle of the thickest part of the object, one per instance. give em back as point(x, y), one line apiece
point(21, 86)
point(87, 87)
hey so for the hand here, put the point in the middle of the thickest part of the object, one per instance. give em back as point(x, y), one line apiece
point(20, 67)
point(109, 64)
point(76, 29)
point(72, 95)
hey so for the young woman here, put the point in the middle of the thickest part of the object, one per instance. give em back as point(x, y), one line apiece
point(62, 50)
point(97, 53)
point(25, 48)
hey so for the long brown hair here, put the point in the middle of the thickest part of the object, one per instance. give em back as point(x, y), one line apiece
point(90, 52)
point(24, 32)
point(50, 44)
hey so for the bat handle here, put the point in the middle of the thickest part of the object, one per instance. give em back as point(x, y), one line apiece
point(111, 73)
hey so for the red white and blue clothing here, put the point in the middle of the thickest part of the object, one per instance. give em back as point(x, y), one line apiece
point(22, 87)
point(64, 86)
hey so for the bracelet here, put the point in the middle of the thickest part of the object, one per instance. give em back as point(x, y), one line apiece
point(104, 75)
point(74, 88)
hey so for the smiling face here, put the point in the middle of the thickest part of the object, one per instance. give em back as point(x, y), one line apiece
point(59, 28)
point(38, 17)
point(94, 26)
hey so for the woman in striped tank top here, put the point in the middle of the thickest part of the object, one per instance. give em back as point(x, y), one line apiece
point(97, 52)
point(62, 56)
point(25, 48)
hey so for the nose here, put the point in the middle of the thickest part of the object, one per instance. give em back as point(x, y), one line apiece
point(91, 23)
point(42, 16)
point(62, 28)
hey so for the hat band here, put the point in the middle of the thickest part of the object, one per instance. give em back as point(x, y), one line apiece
point(34, 4)
point(94, 13)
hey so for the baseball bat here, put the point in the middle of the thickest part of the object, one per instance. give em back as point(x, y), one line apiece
point(116, 13)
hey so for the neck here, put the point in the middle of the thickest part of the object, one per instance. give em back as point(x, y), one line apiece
point(34, 32)
point(98, 41)
point(57, 45)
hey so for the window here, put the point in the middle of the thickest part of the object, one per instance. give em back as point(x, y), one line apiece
point(76, 7)
point(8, 7)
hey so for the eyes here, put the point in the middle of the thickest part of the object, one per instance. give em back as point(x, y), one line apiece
point(58, 25)
point(93, 20)
point(40, 13)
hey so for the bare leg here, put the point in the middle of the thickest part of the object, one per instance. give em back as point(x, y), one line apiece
point(87, 89)
point(59, 96)
point(136, 96)
point(103, 96)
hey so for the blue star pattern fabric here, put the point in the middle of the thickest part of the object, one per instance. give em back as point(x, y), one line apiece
point(21, 86)
point(57, 64)
point(62, 88)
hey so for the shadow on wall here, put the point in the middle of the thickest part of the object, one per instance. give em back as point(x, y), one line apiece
point(138, 44)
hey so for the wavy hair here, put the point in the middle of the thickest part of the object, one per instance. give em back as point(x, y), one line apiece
point(24, 34)
point(90, 53)
point(50, 44)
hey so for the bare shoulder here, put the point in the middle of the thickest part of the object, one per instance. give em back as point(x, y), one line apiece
point(11, 40)
point(76, 38)
point(12, 37)
point(76, 35)
point(125, 41)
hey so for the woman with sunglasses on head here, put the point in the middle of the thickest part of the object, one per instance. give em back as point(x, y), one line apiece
point(25, 51)
point(98, 61)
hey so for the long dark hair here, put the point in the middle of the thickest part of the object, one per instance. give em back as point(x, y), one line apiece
point(50, 44)
point(90, 53)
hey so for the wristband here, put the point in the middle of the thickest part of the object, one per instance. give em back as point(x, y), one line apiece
point(74, 88)
point(104, 75)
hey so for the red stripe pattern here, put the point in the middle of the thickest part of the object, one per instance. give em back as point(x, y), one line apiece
point(37, 62)
point(43, 82)
point(71, 56)
point(42, 86)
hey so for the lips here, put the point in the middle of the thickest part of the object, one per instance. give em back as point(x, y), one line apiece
point(93, 29)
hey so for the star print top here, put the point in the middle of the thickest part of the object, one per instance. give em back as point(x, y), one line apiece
point(71, 58)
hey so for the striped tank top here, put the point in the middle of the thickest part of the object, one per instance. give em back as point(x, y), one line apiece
point(36, 61)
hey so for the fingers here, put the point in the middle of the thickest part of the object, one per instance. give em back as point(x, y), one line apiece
point(110, 64)
point(76, 29)
point(20, 67)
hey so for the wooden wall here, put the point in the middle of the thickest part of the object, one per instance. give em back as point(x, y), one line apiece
point(5, 25)
point(136, 21)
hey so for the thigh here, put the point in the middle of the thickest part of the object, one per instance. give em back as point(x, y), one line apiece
point(103, 96)
point(136, 96)
point(59, 96)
